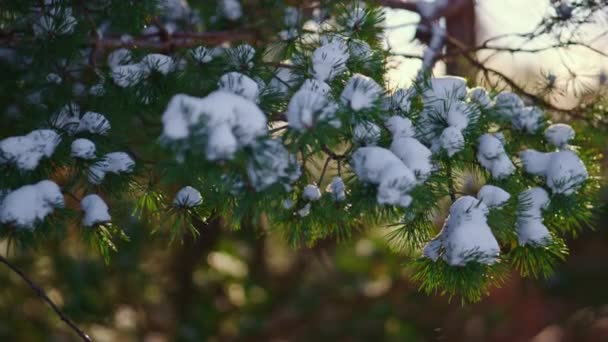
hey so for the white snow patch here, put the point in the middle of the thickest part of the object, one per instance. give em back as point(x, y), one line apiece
point(329, 60)
point(240, 84)
point(188, 197)
point(201, 54)
point(360, 92)
point(95, 210)
point(559, 135)
point(30, 204)
point(56, 20)
point(530, 227)
point(412, 152)
point(230, 9)
point(493, 196)
point(508, 104)
point(528, 119)
point(311, 192)
point(465, 235)
point(379, 166)
point(228, 121)
point(307, 108)
point(25, 152)
point(114, 162)
point(83, 148)
point(401, 100)
point(492, 156)
point(337, 189)
point(479, 96)
point(563, 170)
point(68, 119)
point(127, 75)
point(305, 210)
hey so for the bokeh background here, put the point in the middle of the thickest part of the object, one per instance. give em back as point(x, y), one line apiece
point(249, 285)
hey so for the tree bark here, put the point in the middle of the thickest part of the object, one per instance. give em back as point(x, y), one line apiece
point(462, 27)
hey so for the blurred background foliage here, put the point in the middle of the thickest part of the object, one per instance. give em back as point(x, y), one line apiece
point(249, 285)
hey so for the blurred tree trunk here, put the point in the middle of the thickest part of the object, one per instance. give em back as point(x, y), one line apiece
point(461, 26)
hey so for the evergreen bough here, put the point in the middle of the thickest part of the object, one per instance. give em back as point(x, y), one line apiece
point(326, 122)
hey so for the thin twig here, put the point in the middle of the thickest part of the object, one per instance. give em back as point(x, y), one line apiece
point(451, 190)
point(40, 293)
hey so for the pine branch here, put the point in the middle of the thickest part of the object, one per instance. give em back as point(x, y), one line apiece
point(40, 293)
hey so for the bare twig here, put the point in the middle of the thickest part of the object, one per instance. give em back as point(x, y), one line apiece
point(40, 293)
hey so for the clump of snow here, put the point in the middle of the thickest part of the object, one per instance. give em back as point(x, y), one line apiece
point(241, 57)
point(445, 115)
point(337, 189)
point(157, 62)
point(329, 60)
point(361, 51)
point(401, 100)
point(227, 120)
point(271, 163)
point(240, 84)
point(446, 87)
point(309, 107)
point(508, 104)
point(479, 96)
point(360, 92)
point(95, 210)
point(559, 135)
point(563, 170)
point(83, 148)
point(377, 165)
point(465, 235)
point(412, 152)
point(174, 10)
point(451, 140)
point(114, 162)
point(492, 156)
point(188, 197)
point(125, 73)
point(118, 57)
point(30, 204)
point(305, 210)
point(56, 20)
point(283, 81)
point(287, 203)
point(493, 196)
point(230, 9)
point(97, 90)
point(316, 86)
point(311, 192)
point(366, 133)
point(201, 54)
point(530, 227)
point(54, 78)
point(94, 123)
point(355, 17)
point(68, 119)
point(25, 152)
point(528, 119)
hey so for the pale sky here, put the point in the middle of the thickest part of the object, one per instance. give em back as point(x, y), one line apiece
point(498, 17)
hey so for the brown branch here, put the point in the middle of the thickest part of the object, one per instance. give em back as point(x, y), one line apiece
point(179, 40)
point(40, 293)
point(450, 8)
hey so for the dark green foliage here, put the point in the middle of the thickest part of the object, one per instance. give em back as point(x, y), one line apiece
point(538, 261)
point(469, 282)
